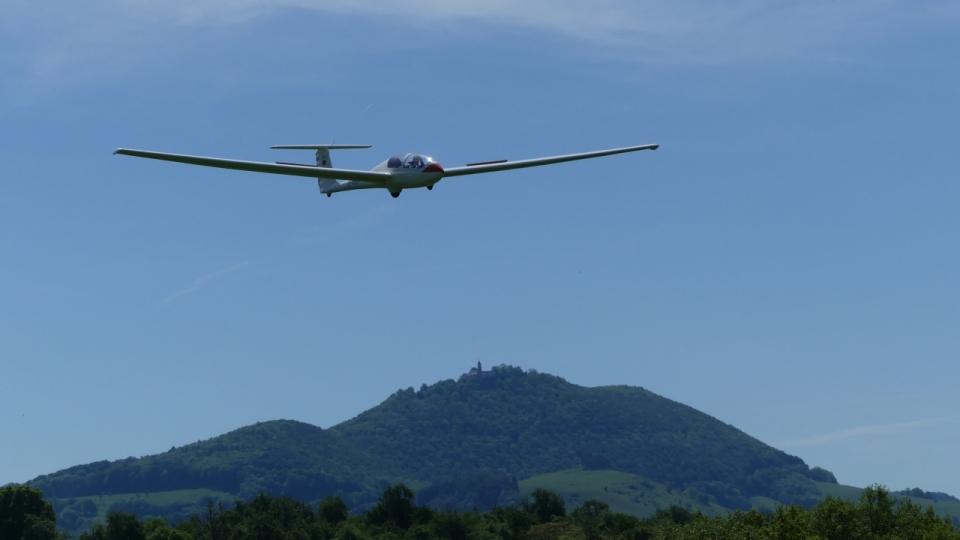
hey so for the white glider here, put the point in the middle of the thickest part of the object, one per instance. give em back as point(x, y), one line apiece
point(395, 174)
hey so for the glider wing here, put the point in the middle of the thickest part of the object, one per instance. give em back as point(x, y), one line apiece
point(309, 171)
point(507, 165)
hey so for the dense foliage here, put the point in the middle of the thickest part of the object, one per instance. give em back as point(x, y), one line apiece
point(25, 515)
point(470, 441)
point(542, 516)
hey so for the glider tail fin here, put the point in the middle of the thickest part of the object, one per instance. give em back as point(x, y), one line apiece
point(323, 160)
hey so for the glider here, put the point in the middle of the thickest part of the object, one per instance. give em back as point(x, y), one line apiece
point(396, 174)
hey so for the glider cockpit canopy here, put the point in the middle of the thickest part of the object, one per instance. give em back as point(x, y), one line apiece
point(409, 161)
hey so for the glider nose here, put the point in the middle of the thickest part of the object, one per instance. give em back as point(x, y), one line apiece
point(433, 168)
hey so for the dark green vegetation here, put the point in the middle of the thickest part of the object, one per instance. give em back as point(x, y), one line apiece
point(464, 444)
point(946, 505)
point(24, 514)
point(542, 515)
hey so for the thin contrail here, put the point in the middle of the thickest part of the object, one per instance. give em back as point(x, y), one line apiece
point(864, 430)
point(203, 279)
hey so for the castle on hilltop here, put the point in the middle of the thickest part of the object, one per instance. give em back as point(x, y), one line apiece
point(477, 373)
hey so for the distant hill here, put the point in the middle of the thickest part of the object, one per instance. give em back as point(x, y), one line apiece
point(918, 493)
point(468, 442)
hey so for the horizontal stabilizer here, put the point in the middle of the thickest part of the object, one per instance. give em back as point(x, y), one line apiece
point(319, 146)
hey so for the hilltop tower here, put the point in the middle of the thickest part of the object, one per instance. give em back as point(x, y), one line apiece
point(477, 373)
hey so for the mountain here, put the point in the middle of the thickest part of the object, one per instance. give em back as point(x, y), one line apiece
point(468, 442)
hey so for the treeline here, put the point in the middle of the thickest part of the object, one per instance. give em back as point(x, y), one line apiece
point(25, 515)
point(933, 495)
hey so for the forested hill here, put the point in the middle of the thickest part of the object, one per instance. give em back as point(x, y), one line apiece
point(486, 433)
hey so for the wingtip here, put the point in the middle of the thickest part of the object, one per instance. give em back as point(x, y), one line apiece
point(654, 147)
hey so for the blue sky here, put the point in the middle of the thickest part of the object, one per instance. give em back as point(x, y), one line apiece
point(786, 262)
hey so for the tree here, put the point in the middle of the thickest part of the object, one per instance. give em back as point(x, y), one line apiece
point(545, 504)
point(590, 509)
point(591, 516)
point(159, 529)
point(674, 514)
point(36, 528)
point(396, 505)
point(334, 510)
point(835, 519)
point(790, 523)
point(876, 511)
point(124, 526)
point(24, 511)
point(97, 532)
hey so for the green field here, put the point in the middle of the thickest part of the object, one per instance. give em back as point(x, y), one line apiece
point(624, 492)
point(162, 498)
point(763, 504)
point(77, 513)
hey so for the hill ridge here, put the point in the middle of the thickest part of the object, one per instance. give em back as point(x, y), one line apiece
point(511, 426)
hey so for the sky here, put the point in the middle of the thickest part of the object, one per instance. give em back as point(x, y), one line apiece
point(786, 262)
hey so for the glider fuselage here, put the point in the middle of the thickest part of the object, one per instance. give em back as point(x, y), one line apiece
point(406, 172)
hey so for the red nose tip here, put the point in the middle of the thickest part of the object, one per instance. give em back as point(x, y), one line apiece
point(433, 167)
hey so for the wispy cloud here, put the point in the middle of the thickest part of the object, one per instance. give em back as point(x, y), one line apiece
point(63, 35)
point(203, 280)
point(687, 31)
point(882, 429)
